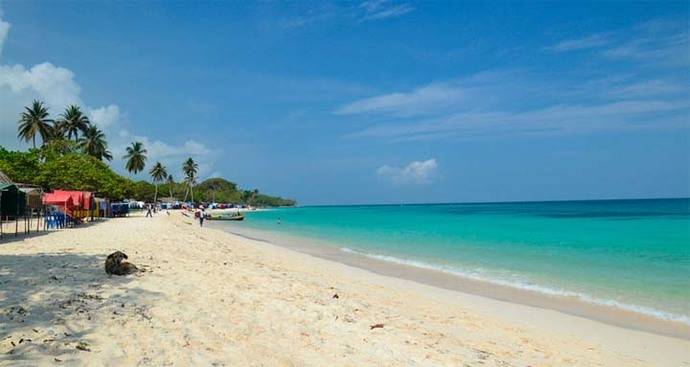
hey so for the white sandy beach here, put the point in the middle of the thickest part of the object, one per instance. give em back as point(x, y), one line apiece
point(211, 298)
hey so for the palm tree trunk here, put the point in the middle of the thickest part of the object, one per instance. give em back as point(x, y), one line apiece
point(34, 139)
point(155, 196)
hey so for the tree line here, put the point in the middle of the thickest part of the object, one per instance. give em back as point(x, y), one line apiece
point(73, 153)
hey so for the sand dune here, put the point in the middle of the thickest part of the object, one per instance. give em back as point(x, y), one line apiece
point(210, 298)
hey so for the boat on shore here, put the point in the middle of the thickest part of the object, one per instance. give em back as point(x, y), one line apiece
point(225, 216)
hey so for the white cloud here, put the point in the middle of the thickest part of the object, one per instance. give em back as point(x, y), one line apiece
point(106, 116)
point(417, 101)
point(382, 9)
point(54, 85)
point(170, 155)
point(160, 150)
point(659, 42)
point(646, 88)
point(20, 85)
point(416, 172)
point(195, 148)
point(57, 87)
point(369, 10)
point(669, 48)
point(592, 41)
point(557, 119)
point(523, 103)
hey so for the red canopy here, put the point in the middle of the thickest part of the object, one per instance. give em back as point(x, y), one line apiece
point(88, 199)
point(58, 198)
point(81, 199)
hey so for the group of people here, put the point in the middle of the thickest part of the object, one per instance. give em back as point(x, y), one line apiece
point(199, 214)
point(150, 209)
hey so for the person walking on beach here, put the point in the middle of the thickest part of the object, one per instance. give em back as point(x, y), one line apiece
point(148, 211)
point(202, 213)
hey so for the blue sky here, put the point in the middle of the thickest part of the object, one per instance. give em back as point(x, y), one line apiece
point(376, 101)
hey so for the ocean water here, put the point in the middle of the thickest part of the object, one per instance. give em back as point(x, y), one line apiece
point(632, 254)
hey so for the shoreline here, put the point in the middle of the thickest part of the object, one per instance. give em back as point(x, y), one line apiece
point(209, 297)
point(576, 306)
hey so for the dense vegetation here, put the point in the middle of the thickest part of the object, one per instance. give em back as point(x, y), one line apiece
point(71, 157)
point(71, 170)
point(51, 168)
point(211, 190)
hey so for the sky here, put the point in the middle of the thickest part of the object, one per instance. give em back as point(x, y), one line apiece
point(375, 101)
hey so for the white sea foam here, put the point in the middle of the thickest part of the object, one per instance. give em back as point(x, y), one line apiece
point(526, 285)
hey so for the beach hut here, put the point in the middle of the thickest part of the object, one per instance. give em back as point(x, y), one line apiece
point(102, 208)
point(64, 204)
point(34, 205)
point(12, 201)
point(34, 195)
point(82, 202)
point(119, 209)
point(62, 200)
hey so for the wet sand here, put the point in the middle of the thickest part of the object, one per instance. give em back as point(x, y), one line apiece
point(570, 305)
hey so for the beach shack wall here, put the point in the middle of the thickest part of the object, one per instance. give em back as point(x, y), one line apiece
point(12, 201)
point(34, 199)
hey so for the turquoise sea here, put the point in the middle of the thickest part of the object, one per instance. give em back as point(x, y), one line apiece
point(632, 254)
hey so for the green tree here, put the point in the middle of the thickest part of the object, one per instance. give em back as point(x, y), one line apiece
point(20, 166)
point(144, 191)
point(158, 174)
point(34, 120)
point(136, 158)
point(94, 144)
point(57, 147)
point(76, 171)
point(73, 122)
point(190, 168)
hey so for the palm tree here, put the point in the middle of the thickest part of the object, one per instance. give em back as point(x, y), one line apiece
point(136, 158)
point(171, 182)
point(254, 194)
point(190, 168)
point(93, 143)
point(57, 132)
point(34, 121)
point(190, 182)
point(158, 174)
point(73, 122)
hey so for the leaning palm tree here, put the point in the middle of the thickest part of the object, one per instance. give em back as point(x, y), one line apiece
point(93, 143)
point(189, 182)
point(34, 121)
point(136, 158)
point(171, 183)
point(190, 168)
point(158, 174)
point(73, 122)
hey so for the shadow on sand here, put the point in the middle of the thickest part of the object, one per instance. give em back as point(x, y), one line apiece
point(50, 303)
